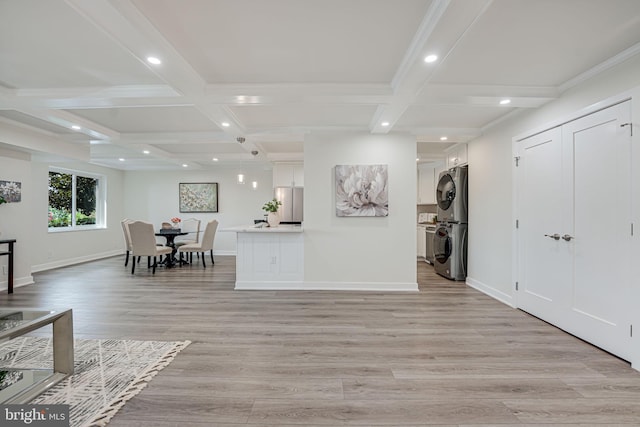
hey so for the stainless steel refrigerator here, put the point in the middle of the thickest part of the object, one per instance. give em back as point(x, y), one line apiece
point(292, 199)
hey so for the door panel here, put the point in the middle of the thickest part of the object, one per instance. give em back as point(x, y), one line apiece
point(542, 258)
point(600, 220)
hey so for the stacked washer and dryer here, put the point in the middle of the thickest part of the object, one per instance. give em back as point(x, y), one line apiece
point(450, 240)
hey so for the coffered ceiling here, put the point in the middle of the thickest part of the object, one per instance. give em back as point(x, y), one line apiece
point(272, 71)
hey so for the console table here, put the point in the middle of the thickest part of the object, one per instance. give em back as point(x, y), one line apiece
point(9, 252)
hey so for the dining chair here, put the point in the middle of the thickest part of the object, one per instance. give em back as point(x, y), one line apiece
point(127, 238)
point(206, 244)
point(143, 243)
point(191, 226)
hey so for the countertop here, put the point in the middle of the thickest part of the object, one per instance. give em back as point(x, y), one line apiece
point(282, 228)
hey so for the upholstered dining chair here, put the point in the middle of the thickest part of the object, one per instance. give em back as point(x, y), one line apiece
point(205, 244)
point(143, 243)
point(191, 226)
point(127, 238)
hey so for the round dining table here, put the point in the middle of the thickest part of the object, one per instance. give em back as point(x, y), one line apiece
point(170, 234)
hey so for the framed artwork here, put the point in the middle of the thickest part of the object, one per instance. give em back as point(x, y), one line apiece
point(362, 190)
point(198, 197)
point(11, 191)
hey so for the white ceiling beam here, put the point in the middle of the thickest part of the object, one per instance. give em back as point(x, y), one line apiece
point(413, 73)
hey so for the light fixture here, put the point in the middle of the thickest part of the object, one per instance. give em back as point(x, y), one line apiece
point(430, 58)
point(215, 159)
point(240, 178)
point(146, 151)
point(254, 185)
point(384, 124)
point(225, 124)
point(121, 159)
point(417, 159)
point(184, 165)
point(76, 127)
point(443, 138)
point(153, 60)
point(505, 102)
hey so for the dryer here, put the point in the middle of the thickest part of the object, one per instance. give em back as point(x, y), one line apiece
point(450, 251)
point(451, 195)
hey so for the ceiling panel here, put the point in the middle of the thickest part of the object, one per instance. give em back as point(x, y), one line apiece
point(148, 119)
point(276, 41)
point(449, 116)
point(47, 44)
point(541, 42)
point(294, 115)
point(34, 122)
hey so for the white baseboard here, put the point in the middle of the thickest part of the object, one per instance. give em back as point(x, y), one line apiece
point(17, 282)
point(72, 261)
point(492, 292)
point(327, 286)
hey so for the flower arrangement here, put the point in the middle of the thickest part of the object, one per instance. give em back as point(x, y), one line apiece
point(175, 220)
point(272, 206)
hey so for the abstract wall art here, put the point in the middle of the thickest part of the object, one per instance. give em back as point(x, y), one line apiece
point(198, 197)
point(362, 190)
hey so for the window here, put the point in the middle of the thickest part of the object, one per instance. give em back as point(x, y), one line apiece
point(76, 200)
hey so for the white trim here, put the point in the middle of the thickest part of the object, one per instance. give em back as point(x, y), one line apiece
point(21, 281)
point(600, 68)
point(600, 105)
point(490, 291)
point(327, 286)
point(72, 261)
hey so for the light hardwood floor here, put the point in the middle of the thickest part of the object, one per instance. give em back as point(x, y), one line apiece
point(447, 355)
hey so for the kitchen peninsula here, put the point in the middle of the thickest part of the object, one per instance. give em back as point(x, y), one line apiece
point(269, 258)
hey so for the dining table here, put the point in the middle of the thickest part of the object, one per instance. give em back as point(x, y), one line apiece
point(170, 235)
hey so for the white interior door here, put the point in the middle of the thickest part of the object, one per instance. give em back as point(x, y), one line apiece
point(574, 182)
point(542, 258)
point(597, 154)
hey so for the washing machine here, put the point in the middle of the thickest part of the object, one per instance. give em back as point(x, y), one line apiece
point(450, 251)
point(451, 194)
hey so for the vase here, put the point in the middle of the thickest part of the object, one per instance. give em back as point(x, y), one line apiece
point(273, 219)
point(176, 225)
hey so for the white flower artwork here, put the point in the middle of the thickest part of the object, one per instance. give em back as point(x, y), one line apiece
point(362, 190)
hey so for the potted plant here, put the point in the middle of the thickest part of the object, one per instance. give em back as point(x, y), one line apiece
point(271, 207)
point(2, 200)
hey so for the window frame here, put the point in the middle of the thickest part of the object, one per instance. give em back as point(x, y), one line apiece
point(101, 200)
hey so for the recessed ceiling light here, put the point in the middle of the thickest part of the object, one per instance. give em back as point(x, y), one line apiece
point(215, 159)
point(76, 127)
point(384, 124)
point(146, 151)
point(225, 124)
point(184, 165)
point(430, 58)
point(121, 159)
point(153, 60)
point(443, 138)
point(505, 102)
point(417, 159)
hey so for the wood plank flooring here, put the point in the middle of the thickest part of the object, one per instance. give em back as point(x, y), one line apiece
point(447, 356)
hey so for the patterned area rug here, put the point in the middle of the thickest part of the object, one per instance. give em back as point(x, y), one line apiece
point(107, 372)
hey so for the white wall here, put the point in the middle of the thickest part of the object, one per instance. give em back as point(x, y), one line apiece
point(153, 196)
point(363, 252)
point(15, 218)
point(491, 223)
point(60, 248)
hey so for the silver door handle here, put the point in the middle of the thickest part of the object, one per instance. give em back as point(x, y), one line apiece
point(567, 237)
point(553, 236)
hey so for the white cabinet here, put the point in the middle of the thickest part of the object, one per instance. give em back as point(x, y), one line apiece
point(269, 260)
point(421, 238)
point(288, 175)
point(428, 174)
point(456, 155)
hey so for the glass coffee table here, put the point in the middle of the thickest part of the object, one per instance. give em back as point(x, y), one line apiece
point(22, 385)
